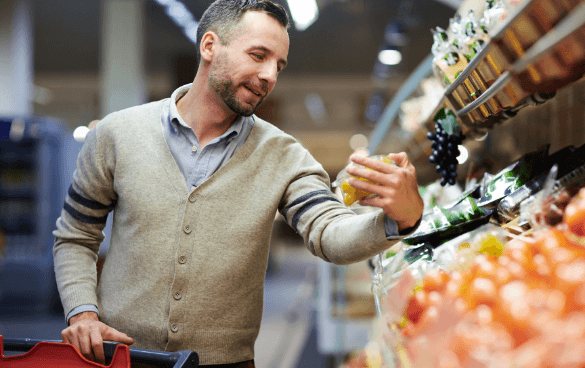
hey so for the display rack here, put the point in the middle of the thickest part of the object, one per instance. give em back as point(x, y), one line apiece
point(510, 69)
point(526, 60)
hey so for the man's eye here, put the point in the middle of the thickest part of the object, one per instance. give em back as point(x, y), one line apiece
point(258, 56)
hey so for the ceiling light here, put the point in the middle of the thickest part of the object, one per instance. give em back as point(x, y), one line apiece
point(79, 133)
point(179, 13)
point(191, 31)
point(304, 13)
point(390, 57)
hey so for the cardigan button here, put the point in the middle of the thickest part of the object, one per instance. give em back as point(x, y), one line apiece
point(177, 295)
point(182, 259)
point(174, 327)
point(192, 198)
point(187, 229)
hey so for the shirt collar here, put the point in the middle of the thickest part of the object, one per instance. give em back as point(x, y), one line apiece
point(233, 130)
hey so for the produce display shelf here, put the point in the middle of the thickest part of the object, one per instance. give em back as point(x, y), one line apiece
point(496, 83)
point(537, 50)
point(511, 68)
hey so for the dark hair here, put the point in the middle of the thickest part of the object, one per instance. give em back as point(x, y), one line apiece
point(223, 16)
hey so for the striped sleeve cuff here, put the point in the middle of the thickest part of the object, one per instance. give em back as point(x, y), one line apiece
point(95, 212)
point(81, 309)
point(306, 202)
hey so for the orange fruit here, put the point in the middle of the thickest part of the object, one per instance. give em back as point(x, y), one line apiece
point(481, 291)
point(483, 266)
point(435, 280)
point(416, 305)
point(502, 276)
point(550, 240)
point(575, 218)
point(568, 278)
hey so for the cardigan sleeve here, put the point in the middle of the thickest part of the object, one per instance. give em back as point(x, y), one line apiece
point(330, 230)
point(79, 229)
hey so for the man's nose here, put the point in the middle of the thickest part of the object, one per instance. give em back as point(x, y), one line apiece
point(269, 74)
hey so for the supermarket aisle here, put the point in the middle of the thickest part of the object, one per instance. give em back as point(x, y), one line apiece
point(289, 303)
point(288, 318)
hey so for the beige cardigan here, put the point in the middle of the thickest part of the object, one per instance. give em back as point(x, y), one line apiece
point(185, 268)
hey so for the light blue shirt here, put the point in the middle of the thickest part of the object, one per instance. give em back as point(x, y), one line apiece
point(195, 163)
point(198, 164)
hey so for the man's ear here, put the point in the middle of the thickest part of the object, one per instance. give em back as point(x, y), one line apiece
point(208, 46)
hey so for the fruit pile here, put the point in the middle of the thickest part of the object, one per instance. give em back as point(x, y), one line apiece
point(525, 308)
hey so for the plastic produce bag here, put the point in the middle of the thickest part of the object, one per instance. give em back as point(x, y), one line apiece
point(442, 224)
point(351, 195)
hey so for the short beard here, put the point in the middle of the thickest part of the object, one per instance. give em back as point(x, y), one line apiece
point(223, 85)
point(224, 89)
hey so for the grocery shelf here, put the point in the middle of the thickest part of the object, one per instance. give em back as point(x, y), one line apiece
point(527, 58)
point(565, 28)
point(510, 69)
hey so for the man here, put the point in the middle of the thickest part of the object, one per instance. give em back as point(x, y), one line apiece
point(195, 182)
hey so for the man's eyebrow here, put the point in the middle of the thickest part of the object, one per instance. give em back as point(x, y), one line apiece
point(268, 51)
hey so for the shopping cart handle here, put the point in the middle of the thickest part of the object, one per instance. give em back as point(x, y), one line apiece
point(163, 359)
point(178, 359)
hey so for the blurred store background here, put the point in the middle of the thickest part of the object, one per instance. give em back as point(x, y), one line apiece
point(65, 63)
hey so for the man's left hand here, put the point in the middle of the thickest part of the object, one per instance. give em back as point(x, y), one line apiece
point(395, 185)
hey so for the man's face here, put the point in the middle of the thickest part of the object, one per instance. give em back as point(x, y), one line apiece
point(245, 70)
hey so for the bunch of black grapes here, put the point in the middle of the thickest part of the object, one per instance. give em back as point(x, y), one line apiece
point(445, 152)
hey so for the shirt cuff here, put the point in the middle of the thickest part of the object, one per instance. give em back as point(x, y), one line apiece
point(392, 228)
point(81, 309)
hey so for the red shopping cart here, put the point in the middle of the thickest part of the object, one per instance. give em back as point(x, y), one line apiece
point(56, 354)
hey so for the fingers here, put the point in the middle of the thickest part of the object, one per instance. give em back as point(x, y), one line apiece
point(111, 334)
point(70, 338)
point(86, 347)
point(97, 346)
point(373, 188)
point(401, 159)
point(364, 173)
point(391, 179)
point(88, 337)
point(369, 162)
point(78, 336)
point(65, 338)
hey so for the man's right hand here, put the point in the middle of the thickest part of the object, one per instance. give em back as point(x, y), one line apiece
point(87, 334)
